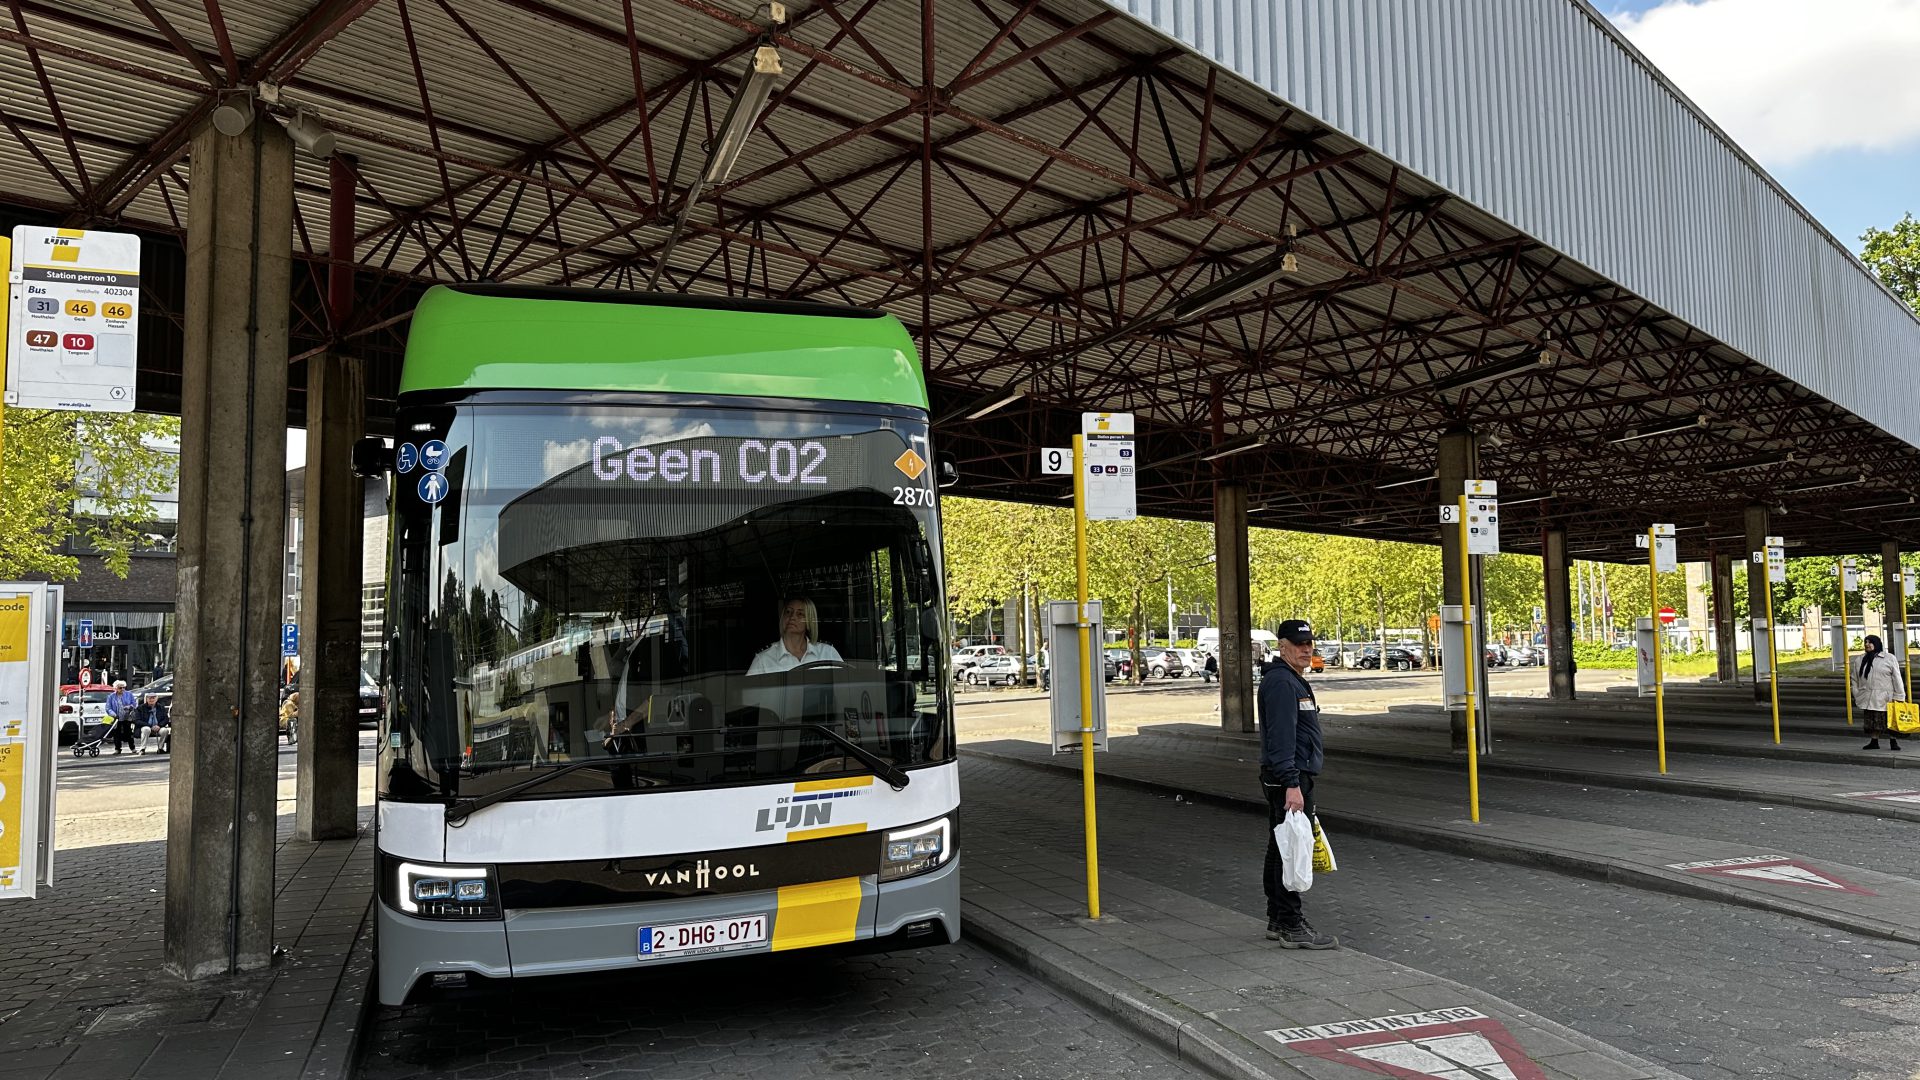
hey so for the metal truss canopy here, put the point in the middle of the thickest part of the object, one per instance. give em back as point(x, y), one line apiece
point(1039, 189)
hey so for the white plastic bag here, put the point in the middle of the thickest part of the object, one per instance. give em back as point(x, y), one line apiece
point(1294, 834)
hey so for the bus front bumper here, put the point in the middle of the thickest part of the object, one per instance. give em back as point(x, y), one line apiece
point(418, 955)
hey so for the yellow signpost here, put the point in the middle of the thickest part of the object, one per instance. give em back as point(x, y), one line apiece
point(1469, 662)
point(1846, 661)
point(1086, 674)
point(1659, 646)
point(1767, 560)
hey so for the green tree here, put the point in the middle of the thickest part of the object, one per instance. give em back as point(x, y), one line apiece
point(90, 475)
point(1894, 257)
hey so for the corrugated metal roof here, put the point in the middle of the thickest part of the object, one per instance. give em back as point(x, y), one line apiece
point(1540, 113)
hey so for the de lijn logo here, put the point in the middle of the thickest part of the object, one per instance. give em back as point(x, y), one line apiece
point(800, 811)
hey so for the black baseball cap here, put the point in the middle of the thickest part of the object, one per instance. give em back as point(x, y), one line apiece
point(1298, 631)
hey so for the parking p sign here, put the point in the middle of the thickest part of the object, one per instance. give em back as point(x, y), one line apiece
point(290, 639)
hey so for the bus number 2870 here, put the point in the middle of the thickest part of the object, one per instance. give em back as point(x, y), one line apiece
point(912, 496)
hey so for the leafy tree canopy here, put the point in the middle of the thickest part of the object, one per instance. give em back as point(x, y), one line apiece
point(91, 475)
point(1894, 257)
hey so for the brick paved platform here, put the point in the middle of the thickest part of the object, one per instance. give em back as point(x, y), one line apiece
point(1202, 980)
point(1428, 808)
point(83, 995)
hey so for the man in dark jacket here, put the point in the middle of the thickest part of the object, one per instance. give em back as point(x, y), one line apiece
point(1290, 757)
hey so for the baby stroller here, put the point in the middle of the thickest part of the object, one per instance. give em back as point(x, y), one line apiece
point(84, 747)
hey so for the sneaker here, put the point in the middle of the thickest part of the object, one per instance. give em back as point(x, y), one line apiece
point(1303, 937)
point(1872, 744)
point(1273, 929)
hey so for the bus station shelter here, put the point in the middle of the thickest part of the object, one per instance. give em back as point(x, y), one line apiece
point(1336, 257)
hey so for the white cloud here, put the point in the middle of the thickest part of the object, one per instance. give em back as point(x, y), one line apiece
point(1792, 79)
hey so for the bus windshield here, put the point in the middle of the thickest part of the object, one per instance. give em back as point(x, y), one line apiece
point(697, 595)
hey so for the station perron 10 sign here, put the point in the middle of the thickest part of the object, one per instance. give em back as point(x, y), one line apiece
point(73, 319)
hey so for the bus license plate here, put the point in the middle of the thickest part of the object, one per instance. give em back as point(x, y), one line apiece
point(715, 935)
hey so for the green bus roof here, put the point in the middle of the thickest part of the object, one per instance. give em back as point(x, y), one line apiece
point(496, 337)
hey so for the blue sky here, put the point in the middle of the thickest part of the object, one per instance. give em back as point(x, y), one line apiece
point(1822, 93)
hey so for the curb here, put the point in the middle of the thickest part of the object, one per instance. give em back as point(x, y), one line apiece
point(1187, 1035)
point(1572, 864)
point(336, 1051)
point(1672, 785)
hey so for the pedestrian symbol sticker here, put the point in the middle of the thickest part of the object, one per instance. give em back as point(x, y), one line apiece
point(433, 455)
point(405, 458)
point(1443, 1044)
point(1773, 870)
point(433, 488)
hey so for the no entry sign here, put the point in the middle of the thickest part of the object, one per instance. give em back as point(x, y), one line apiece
point(1667, 615)
point(1441, 1044)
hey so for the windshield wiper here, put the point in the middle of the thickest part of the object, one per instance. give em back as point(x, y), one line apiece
point(462, 809)
point(881, 767)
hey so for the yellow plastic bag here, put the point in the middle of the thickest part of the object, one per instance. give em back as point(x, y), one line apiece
point(1904, 717)
point(1322, 851)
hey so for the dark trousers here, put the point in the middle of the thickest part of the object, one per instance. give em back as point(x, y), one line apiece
point(1876, 722)
point(1283, 904)
point(123, 734)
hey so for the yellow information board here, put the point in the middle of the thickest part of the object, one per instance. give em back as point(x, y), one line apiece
point(27, 678)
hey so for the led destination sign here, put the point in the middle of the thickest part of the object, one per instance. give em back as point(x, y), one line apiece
point(751, 461)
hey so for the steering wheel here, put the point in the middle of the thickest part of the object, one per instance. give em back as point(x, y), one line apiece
point(827, 665)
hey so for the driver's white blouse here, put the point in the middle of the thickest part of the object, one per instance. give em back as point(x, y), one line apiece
point(776, 657)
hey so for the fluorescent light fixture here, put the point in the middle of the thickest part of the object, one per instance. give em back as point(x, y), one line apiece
point(748, 100)
point(1254, 275)
point(1537, 360)
point(1896, 521)
point(1365, 519)
point(1014, 392)
point(1750, 463)
point(1734, 536)
point(1237, 446)
point(1824, 485)
point(310, 135)
point(1524, 499)
point(1588, 551)
point(1665, 427)
point(1908, 501)
point(1690, 528)
point(1406, 483)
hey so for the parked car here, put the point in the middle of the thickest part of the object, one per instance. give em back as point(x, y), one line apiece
point(992, 670)
point(972, 654)
point(1122, 660)
point(1496, 655)
point(1192, 661)
point(1526, 656)
point(1396, 659)
point(1163, 663)
point(81, 712)
point(372, 701)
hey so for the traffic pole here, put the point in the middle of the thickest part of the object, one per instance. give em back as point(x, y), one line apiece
point(1773, 654)
point(1846, 661)
point(1471, 657)
point(1904, 646)
point(1086, 676)
point(1659, 681)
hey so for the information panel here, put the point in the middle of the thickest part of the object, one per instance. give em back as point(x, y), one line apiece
point(1109, 457)
point(26, 738)
point(74, 319)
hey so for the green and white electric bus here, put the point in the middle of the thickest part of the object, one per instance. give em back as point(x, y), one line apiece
point(667, 658)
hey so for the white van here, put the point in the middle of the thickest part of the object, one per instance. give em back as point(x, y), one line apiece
point(1208, 640)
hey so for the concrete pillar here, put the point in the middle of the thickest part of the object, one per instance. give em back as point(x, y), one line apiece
point(326, 806)
point(1695, 610)
point(1459, 462)
point(1234, 587)
point(1758, 521)
point(1896, 640)
point(1559, 613)
point(1726, 640)
point(220, 824)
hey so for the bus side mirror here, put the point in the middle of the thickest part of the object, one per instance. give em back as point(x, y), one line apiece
point(371, 457)
point(948, 471)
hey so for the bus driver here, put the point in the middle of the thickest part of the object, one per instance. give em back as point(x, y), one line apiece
point(799, 640)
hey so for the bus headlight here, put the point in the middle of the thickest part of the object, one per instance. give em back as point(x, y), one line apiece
point(429, 891)
point(916, 849)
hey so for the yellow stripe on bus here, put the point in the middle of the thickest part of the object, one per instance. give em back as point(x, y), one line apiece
point(831, 830)
point(833, 785)
point(823, 913)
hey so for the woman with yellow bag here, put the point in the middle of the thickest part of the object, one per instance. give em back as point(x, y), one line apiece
point(1876, 683)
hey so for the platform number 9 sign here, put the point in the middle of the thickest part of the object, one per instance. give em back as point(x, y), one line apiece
point(1056, 461)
